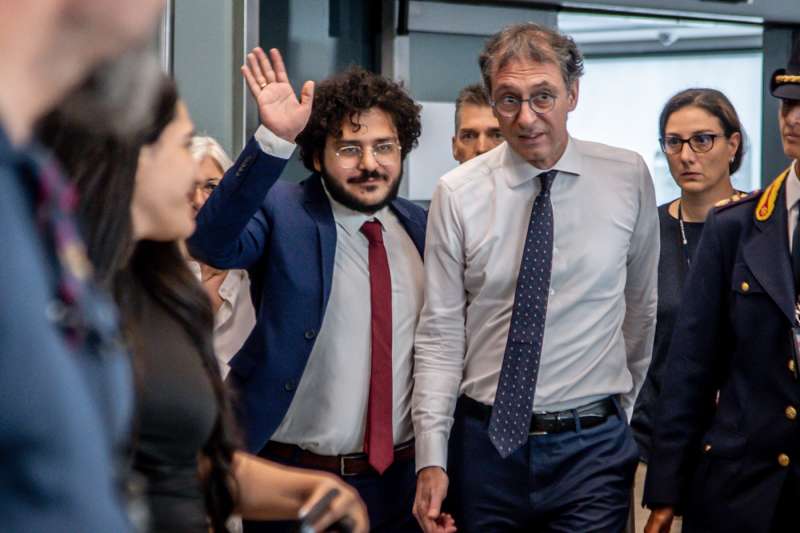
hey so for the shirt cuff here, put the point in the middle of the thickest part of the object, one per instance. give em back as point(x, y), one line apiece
point(273, 145)
point(430, 450)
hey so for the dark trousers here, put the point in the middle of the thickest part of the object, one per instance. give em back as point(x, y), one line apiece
point(389, 499)
point(574, 481)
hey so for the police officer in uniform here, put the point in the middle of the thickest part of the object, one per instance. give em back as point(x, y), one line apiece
point(726, 448)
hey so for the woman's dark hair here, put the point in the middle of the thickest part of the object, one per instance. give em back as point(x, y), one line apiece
point(346, 96)
point(103, 167)
point(715, 103)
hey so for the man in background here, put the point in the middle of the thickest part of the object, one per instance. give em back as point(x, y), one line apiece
point(477, 129)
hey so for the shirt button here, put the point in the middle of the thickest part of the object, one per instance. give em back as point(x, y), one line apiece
point(791, 365)
point(745, 286)
point(552, 292)
point(783, 460)
point(791, 413)
point(707, 448)
point(310, 334)
point(290, 385)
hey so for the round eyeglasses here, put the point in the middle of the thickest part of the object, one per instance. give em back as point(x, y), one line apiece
point(699, 143)
point(509, 105)
point(385, 153)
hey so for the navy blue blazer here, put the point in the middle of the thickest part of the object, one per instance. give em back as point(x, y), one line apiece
point(724, 464)
point(285, 236)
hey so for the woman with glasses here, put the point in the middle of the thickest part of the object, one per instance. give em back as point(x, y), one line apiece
point(702, 138)
point(228, 290)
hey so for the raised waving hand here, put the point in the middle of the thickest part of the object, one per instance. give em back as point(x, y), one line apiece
point(278, 107)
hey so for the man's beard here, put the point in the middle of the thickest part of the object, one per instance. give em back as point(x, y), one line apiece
point(343, 196)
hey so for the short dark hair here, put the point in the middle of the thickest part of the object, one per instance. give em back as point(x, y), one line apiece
point(531, 41)
point(473, 94)
point(715, 103)
point(344, 97)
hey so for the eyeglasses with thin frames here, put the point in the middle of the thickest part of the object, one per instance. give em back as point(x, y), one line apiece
point(385, 153)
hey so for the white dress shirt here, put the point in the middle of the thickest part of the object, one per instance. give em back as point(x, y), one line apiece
point(792, 199)
point(235, 318)
point(601, 311)
point(328, 413)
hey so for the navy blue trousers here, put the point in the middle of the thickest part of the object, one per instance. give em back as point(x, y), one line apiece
point(389, 499)
point(571, 482)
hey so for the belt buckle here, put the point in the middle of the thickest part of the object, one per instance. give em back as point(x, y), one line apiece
point(342, 470)
point(536, 433)
point(560, 421)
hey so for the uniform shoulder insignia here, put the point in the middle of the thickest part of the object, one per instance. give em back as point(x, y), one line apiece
point(766, 202)
point(735, 199)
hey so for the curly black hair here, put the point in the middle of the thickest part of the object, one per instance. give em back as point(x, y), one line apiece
point(344, 97)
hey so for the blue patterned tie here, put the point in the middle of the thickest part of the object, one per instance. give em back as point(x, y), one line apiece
point(513, 403)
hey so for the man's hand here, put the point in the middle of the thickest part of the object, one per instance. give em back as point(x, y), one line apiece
point(431, 490)
point(660, 520)
point(278, 107)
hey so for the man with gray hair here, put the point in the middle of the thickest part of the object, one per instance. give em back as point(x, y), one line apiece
point(539, 313)
point(477, 130)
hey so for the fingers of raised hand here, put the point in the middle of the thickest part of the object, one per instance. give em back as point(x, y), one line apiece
point(278, 66)
point(255, 69)
point(266, 66)
point(252, 84)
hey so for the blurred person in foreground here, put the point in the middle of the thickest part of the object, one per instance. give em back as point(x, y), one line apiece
point(184, 443)
point(65, 385)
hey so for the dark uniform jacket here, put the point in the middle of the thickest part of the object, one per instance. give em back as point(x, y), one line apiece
point(724, 464)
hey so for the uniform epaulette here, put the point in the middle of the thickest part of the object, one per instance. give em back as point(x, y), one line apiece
point(766, 202)
point(737, 199)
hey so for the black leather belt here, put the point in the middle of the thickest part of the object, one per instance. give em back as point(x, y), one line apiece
point(589, 415)
point(356, 464)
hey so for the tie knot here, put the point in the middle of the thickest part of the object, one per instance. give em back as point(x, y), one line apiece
point(372, 230)
point(547, 179)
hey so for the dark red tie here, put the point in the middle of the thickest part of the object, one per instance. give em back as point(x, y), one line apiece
point(378, 442)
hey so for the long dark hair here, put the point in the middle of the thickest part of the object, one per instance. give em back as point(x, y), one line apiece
point(715, 103)
point(103, 168)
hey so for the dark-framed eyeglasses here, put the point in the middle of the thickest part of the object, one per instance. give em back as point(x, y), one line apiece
point(509, 105)
point(385, 153)
point(699, 143)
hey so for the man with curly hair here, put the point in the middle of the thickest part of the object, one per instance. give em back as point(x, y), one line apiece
point(324, 380)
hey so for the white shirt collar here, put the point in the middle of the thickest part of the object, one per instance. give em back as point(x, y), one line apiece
point(518, 170)
point(792, 187)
